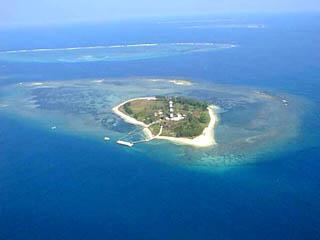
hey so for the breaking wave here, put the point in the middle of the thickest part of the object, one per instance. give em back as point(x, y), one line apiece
point(126, 52)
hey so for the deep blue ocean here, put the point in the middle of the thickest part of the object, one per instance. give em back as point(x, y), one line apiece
point(59, 186)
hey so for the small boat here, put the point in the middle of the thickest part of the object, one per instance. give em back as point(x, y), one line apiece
point(106, 138)
point(53, 128)
point(285, 102)
point(128, 144)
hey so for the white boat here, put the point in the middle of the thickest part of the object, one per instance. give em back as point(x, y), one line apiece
point(53, 128)
point(106, 138)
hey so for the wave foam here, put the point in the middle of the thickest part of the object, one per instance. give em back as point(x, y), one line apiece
point(110, 46)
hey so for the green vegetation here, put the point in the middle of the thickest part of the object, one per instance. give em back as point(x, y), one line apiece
point(190, 128)
point(127, 108)
point(204, 117)
point(191, 102)
point(155, 128)
point(190, 116)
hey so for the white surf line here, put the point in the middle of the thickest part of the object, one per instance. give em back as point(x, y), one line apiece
point(113, 46)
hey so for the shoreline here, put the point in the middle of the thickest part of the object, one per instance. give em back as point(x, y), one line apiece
point(206, 139)
point(127, 118)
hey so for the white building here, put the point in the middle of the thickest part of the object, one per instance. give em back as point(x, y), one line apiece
point(171, 116)
point(177, 118)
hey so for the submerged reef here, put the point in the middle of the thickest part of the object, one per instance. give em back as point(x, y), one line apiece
point(251, 122)
point(109, 53)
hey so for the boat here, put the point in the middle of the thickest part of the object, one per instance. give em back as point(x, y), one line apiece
point(106, 138)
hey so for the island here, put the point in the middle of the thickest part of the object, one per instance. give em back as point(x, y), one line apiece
point(179, 119)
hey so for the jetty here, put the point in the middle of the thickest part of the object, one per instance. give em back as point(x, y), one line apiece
point(130, 144)
point(125, 143)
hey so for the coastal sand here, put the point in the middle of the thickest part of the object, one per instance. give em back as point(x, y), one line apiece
point(127, 118)
point(206, 139)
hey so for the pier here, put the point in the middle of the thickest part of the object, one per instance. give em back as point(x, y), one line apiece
point(130, 144)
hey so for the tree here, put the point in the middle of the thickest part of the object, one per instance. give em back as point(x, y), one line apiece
point(204, 117)
point(127, 108)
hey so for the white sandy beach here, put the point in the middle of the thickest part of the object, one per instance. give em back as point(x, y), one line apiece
point(180, 82)
point(127, 118)
point(36, 84)
point(206, 139)
point(148, 133)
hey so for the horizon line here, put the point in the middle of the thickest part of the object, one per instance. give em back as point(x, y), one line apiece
point(153, 18)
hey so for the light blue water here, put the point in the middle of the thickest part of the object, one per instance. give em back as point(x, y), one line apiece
point(58, 186)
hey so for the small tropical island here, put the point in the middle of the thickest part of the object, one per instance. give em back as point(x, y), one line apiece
point(178, 119)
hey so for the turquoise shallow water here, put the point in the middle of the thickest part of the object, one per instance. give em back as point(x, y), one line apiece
point(70, 185)
point(250, 122)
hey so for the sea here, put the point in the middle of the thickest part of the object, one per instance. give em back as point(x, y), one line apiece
point(57, 185)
